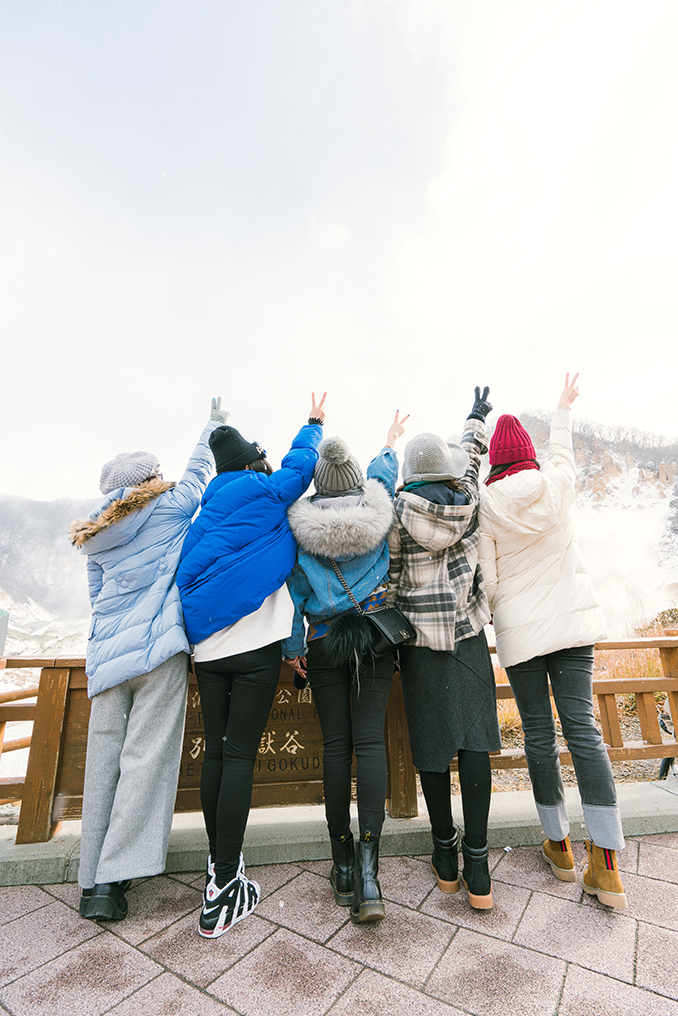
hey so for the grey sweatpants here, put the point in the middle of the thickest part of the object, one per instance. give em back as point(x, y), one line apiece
point(133, 753)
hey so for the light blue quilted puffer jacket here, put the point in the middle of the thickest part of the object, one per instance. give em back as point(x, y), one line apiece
point(133, 542)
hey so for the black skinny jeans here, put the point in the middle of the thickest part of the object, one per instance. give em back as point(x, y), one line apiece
point(236, 695)
point(352, 720)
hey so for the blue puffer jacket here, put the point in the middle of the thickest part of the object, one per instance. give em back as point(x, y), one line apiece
point(351, 528)
point(240, 549)
point(133, 543)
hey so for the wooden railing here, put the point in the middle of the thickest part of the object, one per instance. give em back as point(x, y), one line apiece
point(289, 764)
point(11, 711)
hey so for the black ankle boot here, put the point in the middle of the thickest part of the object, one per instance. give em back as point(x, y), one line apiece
point(107, 901)
point(367, 904)
point(445, 863)
point(476, 878)
point(341, 876)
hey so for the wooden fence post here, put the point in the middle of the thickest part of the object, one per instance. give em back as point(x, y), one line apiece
point(669, 658)
point(402, 784)
point(35, 819)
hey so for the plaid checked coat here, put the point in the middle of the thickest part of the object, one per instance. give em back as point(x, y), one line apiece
point(434, 575)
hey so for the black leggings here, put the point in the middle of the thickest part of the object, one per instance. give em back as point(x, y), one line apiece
point(236, 694)
point(475, 778)
point(352, 720)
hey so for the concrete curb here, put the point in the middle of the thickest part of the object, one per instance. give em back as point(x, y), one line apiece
point(275, 835)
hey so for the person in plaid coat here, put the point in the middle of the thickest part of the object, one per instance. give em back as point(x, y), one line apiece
point(447, 675)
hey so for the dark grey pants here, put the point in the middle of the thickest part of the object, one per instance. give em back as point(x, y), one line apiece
point(571, 674)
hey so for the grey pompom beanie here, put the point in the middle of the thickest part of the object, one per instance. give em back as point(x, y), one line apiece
point(336, 471)
point(428, 458)
point(127, 470)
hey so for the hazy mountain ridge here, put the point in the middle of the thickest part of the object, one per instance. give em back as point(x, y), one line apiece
point(626, 519)
point(604, 455)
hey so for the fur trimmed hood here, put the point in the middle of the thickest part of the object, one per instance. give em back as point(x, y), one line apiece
point(326, 531)
point(115, 511)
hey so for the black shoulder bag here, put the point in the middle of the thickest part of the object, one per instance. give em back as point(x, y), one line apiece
point(389, 628)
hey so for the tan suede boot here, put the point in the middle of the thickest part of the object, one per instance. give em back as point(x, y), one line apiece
point(601, 877)
point(559, 855)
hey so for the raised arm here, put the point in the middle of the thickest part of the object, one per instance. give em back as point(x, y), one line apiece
point(570, 392)
point(317, 414)
point(561, 452)
point(191, 487)
point(384, 466)
point(396, 430)
point(474, 442)
point(296, 470)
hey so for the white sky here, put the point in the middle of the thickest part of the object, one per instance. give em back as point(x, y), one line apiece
point(395, 200)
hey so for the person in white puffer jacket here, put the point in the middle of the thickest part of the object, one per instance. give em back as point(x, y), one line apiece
point(547, 619)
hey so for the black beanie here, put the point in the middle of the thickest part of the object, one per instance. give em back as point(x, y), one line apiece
point(231, 450)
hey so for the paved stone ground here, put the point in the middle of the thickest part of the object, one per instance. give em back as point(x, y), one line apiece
point(545, 949)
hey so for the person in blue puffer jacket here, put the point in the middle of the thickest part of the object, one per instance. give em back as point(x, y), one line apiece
point(137, 669)
point(347, 522)
point(234, 563)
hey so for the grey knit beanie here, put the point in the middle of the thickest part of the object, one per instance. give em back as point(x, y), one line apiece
point(336, 471)
point(127, 470)
point(428, 457)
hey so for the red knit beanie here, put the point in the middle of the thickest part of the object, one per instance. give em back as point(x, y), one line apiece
point(510, 442)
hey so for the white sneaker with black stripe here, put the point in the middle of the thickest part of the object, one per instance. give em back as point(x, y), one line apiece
point(209, 877)
point(222, 908)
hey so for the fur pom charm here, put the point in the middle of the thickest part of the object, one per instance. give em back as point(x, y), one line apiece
point(334, 449)
point(348, 635)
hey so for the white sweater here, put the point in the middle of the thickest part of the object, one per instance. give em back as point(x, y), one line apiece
point(540, 594)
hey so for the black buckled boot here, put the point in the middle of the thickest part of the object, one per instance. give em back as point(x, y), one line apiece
point(445, 863)
point(367, 903)
point(341, 876)
point(476, 876)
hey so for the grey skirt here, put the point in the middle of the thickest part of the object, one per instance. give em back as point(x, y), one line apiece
point(450, 701)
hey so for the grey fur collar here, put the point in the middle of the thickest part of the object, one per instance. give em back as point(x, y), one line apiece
point(347, 532)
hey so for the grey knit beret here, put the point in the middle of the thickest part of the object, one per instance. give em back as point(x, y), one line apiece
point(428, 457)
point(336, 471)
point(127, 470)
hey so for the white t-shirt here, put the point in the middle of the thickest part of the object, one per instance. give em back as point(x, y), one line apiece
point(272, 621)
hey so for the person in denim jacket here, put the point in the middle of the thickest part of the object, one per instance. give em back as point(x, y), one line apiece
point(346, 520)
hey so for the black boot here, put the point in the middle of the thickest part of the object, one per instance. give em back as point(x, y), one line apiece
point(476, 878)
point(445, 863)
point(367, 904)
point(107, 901)
point(341, 876)
point(84, 900)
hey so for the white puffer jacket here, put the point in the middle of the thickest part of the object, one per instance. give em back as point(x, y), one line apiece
point(540, 594)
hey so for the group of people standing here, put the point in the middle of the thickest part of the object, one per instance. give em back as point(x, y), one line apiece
point(263, 573)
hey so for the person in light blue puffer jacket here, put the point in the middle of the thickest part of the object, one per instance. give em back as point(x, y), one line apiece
point(137, 669)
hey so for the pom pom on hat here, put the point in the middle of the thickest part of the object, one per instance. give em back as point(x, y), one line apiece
point(510, 442)
point(336, 471)
point(127, 470)
point(335, 450)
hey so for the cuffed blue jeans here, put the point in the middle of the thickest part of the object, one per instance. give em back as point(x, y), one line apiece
point(571, 675)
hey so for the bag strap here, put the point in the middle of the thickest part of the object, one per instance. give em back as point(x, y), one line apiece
point(347, 587)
